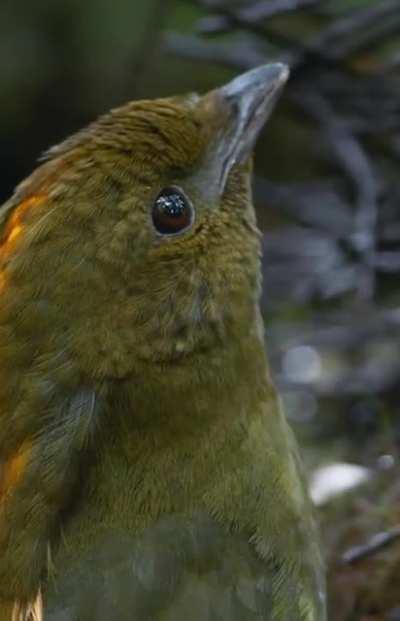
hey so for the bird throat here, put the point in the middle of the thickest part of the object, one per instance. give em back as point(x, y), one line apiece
point(171, 436)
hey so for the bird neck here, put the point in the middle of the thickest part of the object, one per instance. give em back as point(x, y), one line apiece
point(176, 432)
point(196, 391)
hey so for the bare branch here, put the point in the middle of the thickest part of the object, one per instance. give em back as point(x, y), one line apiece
point(243, 55)
point(249, 16)
point(344, 36)
point(374, 545)
point(362, 27)
point(355, 163)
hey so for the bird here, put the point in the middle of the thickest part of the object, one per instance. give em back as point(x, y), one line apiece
point(147, 470)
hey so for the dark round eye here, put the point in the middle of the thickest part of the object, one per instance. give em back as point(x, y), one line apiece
point(172, 213)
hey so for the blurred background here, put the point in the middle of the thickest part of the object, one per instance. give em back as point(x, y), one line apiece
point(327, 192)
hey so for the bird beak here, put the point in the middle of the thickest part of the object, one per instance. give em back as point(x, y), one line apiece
point(245, 104)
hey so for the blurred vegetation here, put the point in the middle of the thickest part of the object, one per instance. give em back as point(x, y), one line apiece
point(327, 191)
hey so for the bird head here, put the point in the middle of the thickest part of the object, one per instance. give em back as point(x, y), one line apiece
point(137, 235)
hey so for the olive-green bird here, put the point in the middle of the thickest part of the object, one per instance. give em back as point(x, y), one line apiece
point(147, 472)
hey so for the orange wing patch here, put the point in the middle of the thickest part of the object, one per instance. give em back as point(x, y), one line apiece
point(15, 231)
point(15, 226)
point(13, 469)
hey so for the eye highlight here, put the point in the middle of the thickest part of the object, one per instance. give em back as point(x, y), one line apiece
point(172, 212)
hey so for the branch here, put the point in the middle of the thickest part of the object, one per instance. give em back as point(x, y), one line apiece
point(355, 163)
point(250, 16)
point(387, 261)
point(243, 55)
point(374, 545)
point(362, 27)
point(336, 42)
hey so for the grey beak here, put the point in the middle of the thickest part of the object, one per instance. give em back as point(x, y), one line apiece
point(248, 100)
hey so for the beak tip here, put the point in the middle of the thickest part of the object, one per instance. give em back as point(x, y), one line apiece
point(283, 72)
point(265, 80)
point(271, 76)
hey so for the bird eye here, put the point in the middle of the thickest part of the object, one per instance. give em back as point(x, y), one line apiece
point(172, 212)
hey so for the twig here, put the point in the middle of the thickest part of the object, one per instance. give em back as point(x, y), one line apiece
point(265, 9)
point(337, 41)
point(355, 163)
point(387, 261)
point(249, 16)
point(362, 27)
point(243, 55)
point(374, 545)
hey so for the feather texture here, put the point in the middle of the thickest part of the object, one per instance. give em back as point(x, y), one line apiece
point(141, 437)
